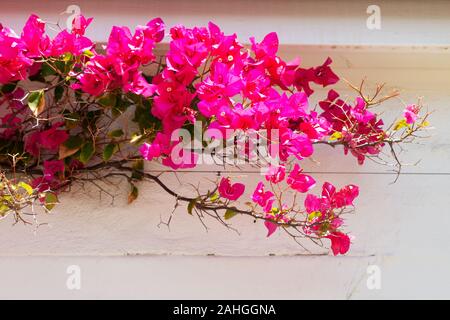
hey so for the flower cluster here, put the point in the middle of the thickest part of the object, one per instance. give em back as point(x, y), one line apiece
point(324, 214)
point(119, 67)
point(77, 122)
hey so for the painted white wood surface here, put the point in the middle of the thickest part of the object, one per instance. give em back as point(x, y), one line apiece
point(84, 225)
point(407, 22)
point(403, 227)
point(188, 277)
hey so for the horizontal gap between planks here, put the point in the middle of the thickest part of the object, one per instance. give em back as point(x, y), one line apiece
point(309, 172)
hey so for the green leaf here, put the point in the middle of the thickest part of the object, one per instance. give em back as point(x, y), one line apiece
point(138, 165)
point(136, 138)
point(59, 92)
point(88, 53)
point(9, 87)
point(61, 66)
point(109, 150)
point(401, 124)
point(313, 215)
point(70, 147)
point(214, 197)
point(116, 133)
point(50, 200)
point(144, 117)
point(3, 209)
point(191, 206)
point(71, 120)
point(74, 142)
point(336, 136)
point(138, 168)
point(87, 151)
point(26, 187)
point(67, 56)
point(230, 213)
point(36, 101)
point(47, 70)
point(134, 193)
point(108, 100)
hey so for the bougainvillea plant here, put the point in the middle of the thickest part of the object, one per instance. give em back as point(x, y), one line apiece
point(73, 112)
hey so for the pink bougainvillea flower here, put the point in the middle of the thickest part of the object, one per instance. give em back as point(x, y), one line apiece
point(411, 113)
point(273, 218)
point(323, 74)
point(37, 43)
point(330, 199)
point(322, 218)
point(40, 184)
point(230, 191)
point(346, 195)
point(15, 100)
point(217, 90)
point(328, 190)
point(243, 118)
point(135, 48)
point(260, 196)
point(356, 125)
point(172, 101)
point(360, 112)
point(340, 243)
point(160, 146)
point(13, 62)
point(269, 205)
point(92, 83)
point(79, 25)
point(75, 164)
point(187, 161)
point(119, 68)
point(156, 29)
point(294, 144)
point(275, 174)
point(299, 181)
point(187, 48)
point(10, 124)
point(268, 46)
point(179, 157)
point(139, 86)
point(302, 80)
point(51, 168)
point(149, 151)
point(313, 203)
point(118, 42)
point(97, 76)
point(66, 42)
point(271, 227)
point(49, 139)
point(256, 85)
point(341, 198)
point(32, 143)
point(73, 42)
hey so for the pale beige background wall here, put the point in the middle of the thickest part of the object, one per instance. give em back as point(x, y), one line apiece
point(402, 228)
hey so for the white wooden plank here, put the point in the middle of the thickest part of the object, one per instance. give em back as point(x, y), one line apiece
point(389, 219)
point(420, 276)
point(307, 22)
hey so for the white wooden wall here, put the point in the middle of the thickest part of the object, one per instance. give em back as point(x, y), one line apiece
point(402, 227)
